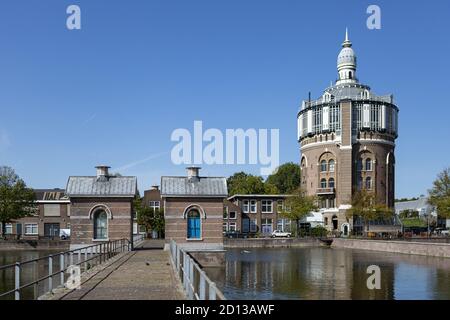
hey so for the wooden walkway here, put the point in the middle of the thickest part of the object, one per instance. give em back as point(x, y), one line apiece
point(144, 274)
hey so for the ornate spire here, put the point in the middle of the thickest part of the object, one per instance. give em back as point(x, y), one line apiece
point(346, 62)
point(347, 43)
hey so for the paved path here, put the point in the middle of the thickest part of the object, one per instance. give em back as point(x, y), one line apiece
point(144, 274)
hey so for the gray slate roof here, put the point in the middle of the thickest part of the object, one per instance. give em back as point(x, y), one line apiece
point(90, 187)
point(205, 186)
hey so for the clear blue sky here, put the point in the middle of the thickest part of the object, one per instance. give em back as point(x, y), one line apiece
point(114, 91)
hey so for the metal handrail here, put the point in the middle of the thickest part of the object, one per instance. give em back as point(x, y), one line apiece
point(99, 253)
point(195, 281)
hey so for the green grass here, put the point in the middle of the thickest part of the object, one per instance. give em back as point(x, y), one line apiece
point(413, 222)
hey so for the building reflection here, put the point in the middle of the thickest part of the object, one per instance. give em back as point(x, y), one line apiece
point(314, 273)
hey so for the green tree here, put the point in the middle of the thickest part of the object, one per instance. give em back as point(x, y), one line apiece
point(243, 183)
point(365, 206)
point(16, 200)
point(439, 194)
point(298, 205)
point(286, 178)
point(408, 214)
point(151, 219)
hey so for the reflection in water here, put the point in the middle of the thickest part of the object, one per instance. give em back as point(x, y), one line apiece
point(30, 272)
point(325, 273)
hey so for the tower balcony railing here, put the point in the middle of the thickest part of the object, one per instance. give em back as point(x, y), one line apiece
point(325, 191)
point(375, 98)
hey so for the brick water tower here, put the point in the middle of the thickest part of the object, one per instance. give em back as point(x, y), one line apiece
point(347, 142)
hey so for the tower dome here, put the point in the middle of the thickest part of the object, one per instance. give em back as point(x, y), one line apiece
point(346, 62)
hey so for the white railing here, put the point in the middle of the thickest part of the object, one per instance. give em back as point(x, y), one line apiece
point(44, 274)
point(138, 239)
point(195, 282)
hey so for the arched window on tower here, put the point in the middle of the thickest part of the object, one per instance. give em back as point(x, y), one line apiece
point(331, 165)
point(331, 183)
point(368, 183)
point(323, 166)
point(368, 164)
point(323, 183)
point(350, 75)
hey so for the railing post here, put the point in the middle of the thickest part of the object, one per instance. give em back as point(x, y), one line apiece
point(50, 273)
point(79, 258)
point(185, 271)
point(85, 259)
point(71, 258)
point(178, 260)
point(212, 291)
point(17, 281)
point(61, 268)
point(191, 279)
point(202, 286)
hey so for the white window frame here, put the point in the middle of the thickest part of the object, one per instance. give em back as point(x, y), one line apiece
point(32, 233)
point(10, 227)
point(154, 204)
point(370, 163)
point(253, 225)
point(230, 215)
point(267, 204)
point(331, 167)
point(232, 226)
point(225, 227)
point(253, 206)
point(246, 206)
point(265, 223)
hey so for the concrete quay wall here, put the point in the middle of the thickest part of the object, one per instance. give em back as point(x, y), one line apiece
point(271, 243)
point(7, 245)
point(406, 247)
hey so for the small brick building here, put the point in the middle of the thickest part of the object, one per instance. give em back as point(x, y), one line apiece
point(101, 207)
point(194, 209)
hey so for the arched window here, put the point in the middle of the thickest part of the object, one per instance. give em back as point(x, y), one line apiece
point(193, 224)
point(323, 166)
point(323, 183)
point(331, 165)
point(350, 75)
point(100, 225)
point(368, 183)
point(368, 164)
point(331, 183)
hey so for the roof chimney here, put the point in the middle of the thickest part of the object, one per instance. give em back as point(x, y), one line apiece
point(102, 172)
point(155, 187)
point(193, 173)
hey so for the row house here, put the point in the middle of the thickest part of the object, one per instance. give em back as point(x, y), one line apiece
point(255, 213)
point(52, 214)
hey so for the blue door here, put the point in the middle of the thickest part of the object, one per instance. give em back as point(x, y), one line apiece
point(193, 225)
